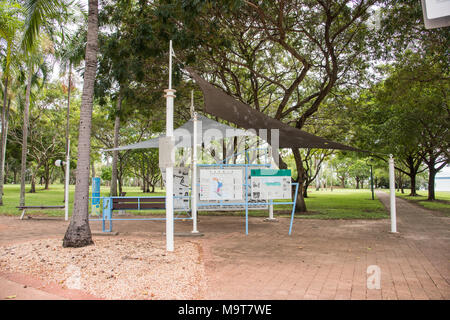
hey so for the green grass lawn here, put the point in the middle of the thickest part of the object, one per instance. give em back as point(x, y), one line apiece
point(343, 204)
point(54, 196)
point(337, 204)
point(441, 204)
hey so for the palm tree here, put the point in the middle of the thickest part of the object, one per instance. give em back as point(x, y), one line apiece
point(37, 12)
point(78, 233)
point(9, 26)
point(35, 61)
point(71, 55)
point(25, 135)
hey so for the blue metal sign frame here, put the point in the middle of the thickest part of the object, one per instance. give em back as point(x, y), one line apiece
point(107, 201)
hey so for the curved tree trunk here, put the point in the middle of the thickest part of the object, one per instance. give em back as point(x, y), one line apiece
point(78, 233)
point(25, 138)
point(3, 159)
point(3, 140)
point(305, 190)
point(300, 206)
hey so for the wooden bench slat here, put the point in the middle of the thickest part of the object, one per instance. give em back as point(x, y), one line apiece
point(140, 200)
point(120, 206)
point(41, 207)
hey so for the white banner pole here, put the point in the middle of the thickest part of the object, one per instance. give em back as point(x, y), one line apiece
point(66, 191)
point(169, 170)
point(194, 176)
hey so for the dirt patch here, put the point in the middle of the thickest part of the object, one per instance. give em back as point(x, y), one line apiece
point(113, 268)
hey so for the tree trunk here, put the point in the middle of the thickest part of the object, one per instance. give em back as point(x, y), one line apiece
point(300, 205)
point(357, 182)
point(33, 182)
point(93, 174)
point(78, 233)
point(3, 140)
point(431, 177)
point(120, 184)
point(116, 144)
point(305, 190)
point(25, 138)
point(413, 185)
point(47, 178)
point(68, 120)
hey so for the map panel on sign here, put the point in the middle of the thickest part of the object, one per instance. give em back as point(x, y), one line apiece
point(221, 184)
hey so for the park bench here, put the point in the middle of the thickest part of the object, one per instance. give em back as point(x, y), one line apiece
point(25, 208)
point(138, 203)
point(111, 204)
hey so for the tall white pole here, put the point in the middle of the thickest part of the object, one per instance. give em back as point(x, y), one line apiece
point(194, 175)
point(392, 194)
point(169, 171)
point(270, 205)
point(66, 190)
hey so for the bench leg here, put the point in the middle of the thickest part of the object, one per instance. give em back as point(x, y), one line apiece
point(23, 214)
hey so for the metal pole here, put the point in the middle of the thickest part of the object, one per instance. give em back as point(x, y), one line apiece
point(392, 194)
point(270, 218)
point(66, 187)
point(169, 170)
point(194, 174)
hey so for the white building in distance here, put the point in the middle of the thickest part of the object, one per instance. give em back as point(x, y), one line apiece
point(442, 179)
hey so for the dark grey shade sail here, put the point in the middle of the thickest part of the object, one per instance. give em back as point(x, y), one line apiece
point(220, 104)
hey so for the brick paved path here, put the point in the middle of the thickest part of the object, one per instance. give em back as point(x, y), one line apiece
point(323, 259)
point(329, 259)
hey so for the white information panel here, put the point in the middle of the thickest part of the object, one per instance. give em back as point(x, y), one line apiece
point(239, 197)
point(181, 185)
point(271, 187)
point(221, 184)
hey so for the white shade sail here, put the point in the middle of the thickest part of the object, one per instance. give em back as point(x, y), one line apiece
point(207, 130)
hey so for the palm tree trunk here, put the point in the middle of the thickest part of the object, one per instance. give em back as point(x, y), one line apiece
point(116, 144)
point(25, 137)
point(78, 233)
point(3, 140)
point(68, 119)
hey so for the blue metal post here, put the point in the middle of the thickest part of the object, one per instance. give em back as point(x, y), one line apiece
point(293, 208)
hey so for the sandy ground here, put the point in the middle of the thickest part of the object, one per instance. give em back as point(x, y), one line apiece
point(112, 268)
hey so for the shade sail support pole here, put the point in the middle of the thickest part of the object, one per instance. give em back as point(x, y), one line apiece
point(66, 183)
point(194, 192)
point(170, 95)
